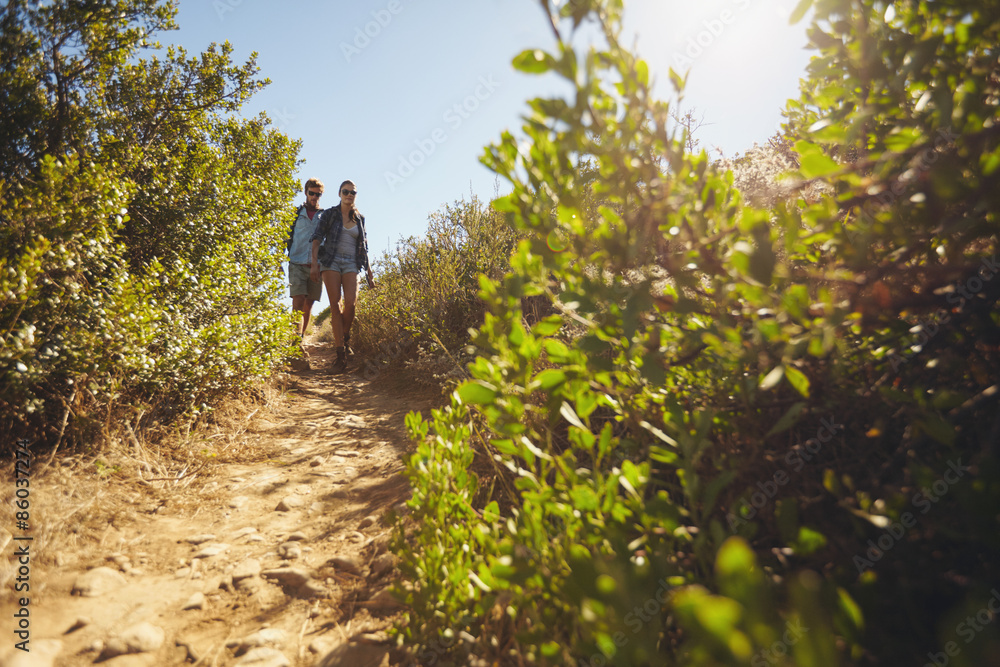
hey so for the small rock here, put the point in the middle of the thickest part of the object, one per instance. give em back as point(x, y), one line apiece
point(288, 576)
point(247, 569)
point(367, 521)
point(139, 638)
point(143, 638)
point(227, 584)
point(196, 601)
point(97, 582)
point(347, 452)
point(316, 462)
point(81, 622)
point(237, 502)
point(264, 657)
point(355, 536)
point(383, 601)
point(313, 589)
point(290, 550)
point(372, 638)
point(383, 564)
point(249, 530)
point(199, 539)
point(263, 637)
point(298, 537)
point(289, 503)
point(212, 550)
point(319, 645)
point(255, 538)
point(43, 654)
point(356, 655)
point(123, 562)
point(182, 572)
point(250, 586)
point(345, 564)
point(193, 653)
point(381, 544)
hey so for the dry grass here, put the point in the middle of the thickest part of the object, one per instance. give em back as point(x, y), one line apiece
point(79, 500)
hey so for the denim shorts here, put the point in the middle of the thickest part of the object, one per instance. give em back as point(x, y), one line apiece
point(341, 264)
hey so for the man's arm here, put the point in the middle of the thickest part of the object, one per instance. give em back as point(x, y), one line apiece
point(322, 226)
point(314, 264)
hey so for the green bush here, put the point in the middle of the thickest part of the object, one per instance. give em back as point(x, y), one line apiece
point(427, 294)
point(804, 376)
point(142, 222)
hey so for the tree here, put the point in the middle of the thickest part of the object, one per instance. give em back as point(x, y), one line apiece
point(166, 245)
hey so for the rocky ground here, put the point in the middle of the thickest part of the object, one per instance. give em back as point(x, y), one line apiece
point(270, 546)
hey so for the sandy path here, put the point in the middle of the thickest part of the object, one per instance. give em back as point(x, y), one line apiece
point(284, 560)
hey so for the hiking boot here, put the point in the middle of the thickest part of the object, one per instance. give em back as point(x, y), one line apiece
point(347, 345)
point(340, 365)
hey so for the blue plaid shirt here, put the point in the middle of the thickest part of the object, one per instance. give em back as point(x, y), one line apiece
point(331, 223)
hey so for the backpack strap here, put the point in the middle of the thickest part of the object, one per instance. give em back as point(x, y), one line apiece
point(291, 229)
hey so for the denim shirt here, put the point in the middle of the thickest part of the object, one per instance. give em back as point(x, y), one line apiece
point(298, 249)
point(328, 229)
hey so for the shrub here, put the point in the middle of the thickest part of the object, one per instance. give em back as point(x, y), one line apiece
point(649, 418)
point(125, 290)
point(427, 295)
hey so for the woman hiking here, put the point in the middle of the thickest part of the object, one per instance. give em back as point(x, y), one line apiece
point(339, 252)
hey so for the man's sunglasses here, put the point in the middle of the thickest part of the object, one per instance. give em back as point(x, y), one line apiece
point(345, 191)
point(312, 193)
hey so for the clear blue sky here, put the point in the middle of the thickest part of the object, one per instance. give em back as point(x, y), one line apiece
point(401, 96)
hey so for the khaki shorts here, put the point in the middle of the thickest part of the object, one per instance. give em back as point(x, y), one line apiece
point(299, 283)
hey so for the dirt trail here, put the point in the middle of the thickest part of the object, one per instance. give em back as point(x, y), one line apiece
point(282, 561)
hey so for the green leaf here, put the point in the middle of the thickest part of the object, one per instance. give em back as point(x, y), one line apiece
point(549, 378)
point(851, 609)
point(584, 498)
point(505, 446)
point(938, 428)
point(798, 380)
point(533, 61)
point(799, 11)
point(735, 558)
point(787, 420)
point(476, 392)
point(813, 162)
point(557, 350)
point(809, 541)
point(548, 326)
point(550, 649)
point(677, 81)
point(642, 72)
